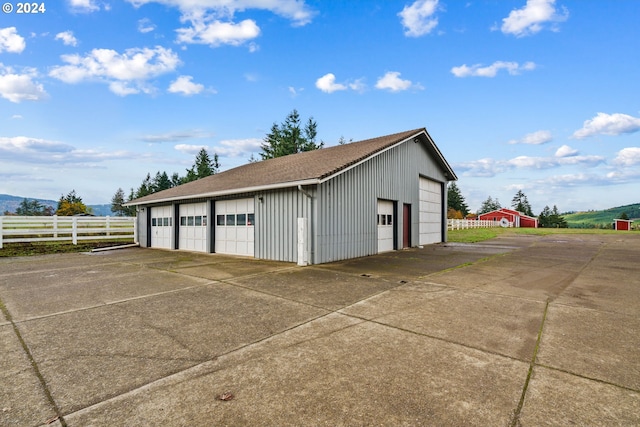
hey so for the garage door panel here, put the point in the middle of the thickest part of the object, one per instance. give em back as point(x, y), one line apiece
point(430, 216)
point(161, 227)
point(234, 227)
point(193, 227)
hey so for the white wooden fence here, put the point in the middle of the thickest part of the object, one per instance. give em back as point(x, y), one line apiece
point(459, 224)
point(18, 229)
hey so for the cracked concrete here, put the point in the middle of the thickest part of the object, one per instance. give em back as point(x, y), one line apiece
point(444, 335)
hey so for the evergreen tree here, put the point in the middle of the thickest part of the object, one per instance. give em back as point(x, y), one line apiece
point(204, 166)
point(521, 204)
point(161, 182)
point(71, 204)
point(290, 138)
point(623, 215)
point(489, 205)
point(33, 208)
point(145, 188)
point(551, 218)
point(118, 200)
point(455, 200)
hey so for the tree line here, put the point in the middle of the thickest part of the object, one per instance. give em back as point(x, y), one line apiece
point(288, 137)
point(457, 208)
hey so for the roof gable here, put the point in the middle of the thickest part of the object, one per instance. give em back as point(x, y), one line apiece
point(304, 168)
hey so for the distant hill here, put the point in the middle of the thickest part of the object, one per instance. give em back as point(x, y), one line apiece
point(10, 203)
point(601, 219)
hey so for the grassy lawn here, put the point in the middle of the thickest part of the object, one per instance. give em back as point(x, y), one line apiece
point(472, 235)
point(43, 248)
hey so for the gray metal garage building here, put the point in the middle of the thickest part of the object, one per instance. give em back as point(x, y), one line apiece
point(335, 203)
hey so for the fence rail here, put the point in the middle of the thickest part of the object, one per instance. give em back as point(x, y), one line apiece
point(25, 229)
point(459, 224)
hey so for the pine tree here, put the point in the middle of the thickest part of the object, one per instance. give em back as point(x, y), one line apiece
point(455, 200)
point(118, 200)
point(203, 166)
point(521, 204)
point(489, 205)
point(289, 138)
point(33, 208)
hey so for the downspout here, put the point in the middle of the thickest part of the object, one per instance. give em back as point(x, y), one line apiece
point(310, 252)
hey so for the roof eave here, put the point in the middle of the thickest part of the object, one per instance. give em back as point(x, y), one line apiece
point(225, 192)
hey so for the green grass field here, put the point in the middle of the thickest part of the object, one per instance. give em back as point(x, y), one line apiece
point(472, 235)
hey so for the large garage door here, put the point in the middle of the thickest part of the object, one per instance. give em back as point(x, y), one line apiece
point(193, 227)
point(385, 226)
point(161, 227)
point(235, 220)
point(430, 211)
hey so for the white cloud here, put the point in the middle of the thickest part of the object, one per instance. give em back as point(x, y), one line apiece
point(211, 22)
point(295, 10)
point(84, 6)
point(535, 138)
point(11, 41)
point(490, 167)
point(41, 151)
point(531, 18)
point(67, 38)
point(478, 70)
point(358, 85)
point(238, 147)
point(608, 124)
point(629, 156)
point(391, 81)
point(20, 87)
point(125, 73)
point(190, 149)
point(216, 33)
point(327, 83)
point(183, 85)
point(145, 25)
point(417, 18)
point(566, 151)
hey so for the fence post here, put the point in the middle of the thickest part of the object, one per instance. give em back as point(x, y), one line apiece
point(74, 231)
point(55, 226)
point(108, 225)
point(1, 228)
point(135, 230)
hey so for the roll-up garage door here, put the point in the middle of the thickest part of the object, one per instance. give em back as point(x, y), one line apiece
point(161, 227)
point(430, 211)
point(385, 226)
point(235, 221)
point(193, 227)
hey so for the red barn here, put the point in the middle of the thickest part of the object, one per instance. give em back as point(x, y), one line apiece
point(517, 219)
point(622, 224)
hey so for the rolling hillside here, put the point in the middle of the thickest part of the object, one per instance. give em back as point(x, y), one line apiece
point(10, 203)
point(601, 219)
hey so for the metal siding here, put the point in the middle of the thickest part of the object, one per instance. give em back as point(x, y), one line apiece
point(276, 224)
point(346, 225)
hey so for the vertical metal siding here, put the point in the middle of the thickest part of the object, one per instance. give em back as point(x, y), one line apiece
point(277, 213)
point(346, 225)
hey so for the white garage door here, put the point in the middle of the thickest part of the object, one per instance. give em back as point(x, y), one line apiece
point(430, 211)
point(193, 227)
point(385, 226)
point(235, 220)
point(161, 227)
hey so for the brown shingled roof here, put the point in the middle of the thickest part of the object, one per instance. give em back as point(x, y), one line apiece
point(302, 168)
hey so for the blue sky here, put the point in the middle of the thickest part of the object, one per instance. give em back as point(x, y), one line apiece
point(537, 95)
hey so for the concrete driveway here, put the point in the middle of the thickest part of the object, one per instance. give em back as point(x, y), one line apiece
point(516, 331)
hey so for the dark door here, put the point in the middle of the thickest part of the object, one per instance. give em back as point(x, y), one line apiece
point(406, 226)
